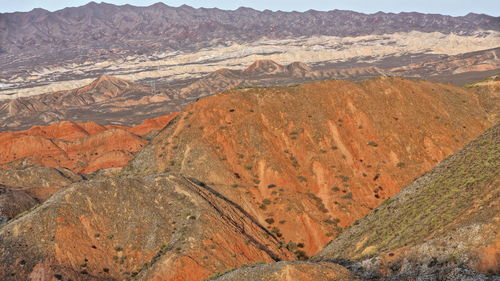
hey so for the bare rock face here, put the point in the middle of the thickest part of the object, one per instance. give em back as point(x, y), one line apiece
point(106, 97)
point(111, 148)
point(154, 228)
point(309, 160)
point(14, 202)
point(103, 89)
point(80, 147)
point(23, 188)
point(290, 271)
point(444, 226)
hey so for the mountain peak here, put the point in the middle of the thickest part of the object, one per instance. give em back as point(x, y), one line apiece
point(106, 84)
point(298, 66)
point(107, 79)
point(268, 66)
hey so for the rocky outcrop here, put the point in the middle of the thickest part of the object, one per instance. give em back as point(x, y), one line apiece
point(154, 228)
point(444, 226)
point(309, 160)
point(488, 92)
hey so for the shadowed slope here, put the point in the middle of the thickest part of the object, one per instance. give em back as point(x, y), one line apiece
point(21, 189)
point(290, 271)
point(155, 228)
point(443, 223)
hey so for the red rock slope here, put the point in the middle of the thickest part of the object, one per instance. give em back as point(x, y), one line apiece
point(309, 160)
point(80, 147)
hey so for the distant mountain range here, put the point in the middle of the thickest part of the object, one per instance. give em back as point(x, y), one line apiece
point(159, 26)
point(42, 51)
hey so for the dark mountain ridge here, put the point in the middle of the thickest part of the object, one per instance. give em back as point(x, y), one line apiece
point(159, 26)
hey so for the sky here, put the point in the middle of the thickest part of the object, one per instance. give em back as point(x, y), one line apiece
point(446, 7)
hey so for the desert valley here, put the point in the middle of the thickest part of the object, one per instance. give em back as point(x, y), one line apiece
point(188, 144)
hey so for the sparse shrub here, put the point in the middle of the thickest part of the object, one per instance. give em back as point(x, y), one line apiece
point(295, 163)
point(347, 196)
point(270, 220)
point(332, 221)
point(372, 143)
point(344, 178)
point(400, 164)
point(301, 255)
point(319, 202)
point(271, 186)
point(234, 185)
point(266, 201)
point(276, 231)
point(291, 246)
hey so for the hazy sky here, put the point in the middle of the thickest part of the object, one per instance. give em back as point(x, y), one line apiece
point(448, 7)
